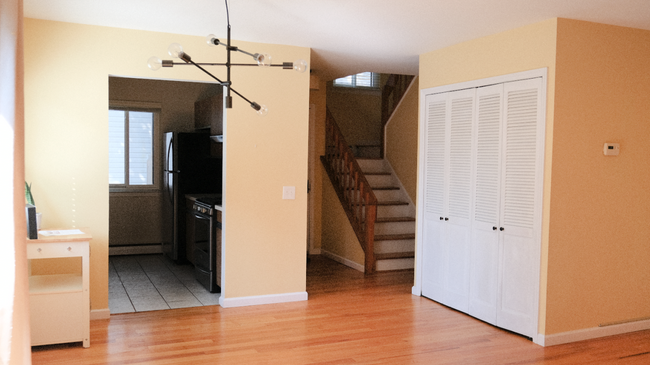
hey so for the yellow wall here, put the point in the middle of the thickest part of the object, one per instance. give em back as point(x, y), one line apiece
point(318, 99)
point(402, 141)
point(599, 256)
point(66, 95)
point(338, 235)
point(357, 113)
point(526, 48)
point(595, 252)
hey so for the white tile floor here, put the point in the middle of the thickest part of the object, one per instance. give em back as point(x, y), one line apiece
point(141, 283)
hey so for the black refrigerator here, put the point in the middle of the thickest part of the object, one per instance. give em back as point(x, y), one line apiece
point(188, 169)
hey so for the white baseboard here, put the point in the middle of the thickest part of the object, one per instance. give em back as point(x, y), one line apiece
point(416, 290)
point(262, 299)
point(134, 250)
point(590, 333)
point(343, 260)
point(100, 314)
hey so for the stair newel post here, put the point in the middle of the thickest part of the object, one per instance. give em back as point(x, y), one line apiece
point(371, 215)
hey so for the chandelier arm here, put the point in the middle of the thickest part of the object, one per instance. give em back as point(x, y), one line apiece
point(221, 82)
point(283, 65)
point(206, 71)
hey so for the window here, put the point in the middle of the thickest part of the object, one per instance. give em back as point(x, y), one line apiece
point(131, 148)
point(361, 80)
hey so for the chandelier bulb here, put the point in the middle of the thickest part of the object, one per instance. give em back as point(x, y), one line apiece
point(154, 63)
point(262, 110)
point(175, 50)
point(210, 39)
point(300, 65)
point(263, 59)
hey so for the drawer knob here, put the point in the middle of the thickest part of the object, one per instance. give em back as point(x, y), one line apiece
point(39, 249)
point(69, 248)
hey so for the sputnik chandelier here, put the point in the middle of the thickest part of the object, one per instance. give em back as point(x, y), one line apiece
point(263, 60)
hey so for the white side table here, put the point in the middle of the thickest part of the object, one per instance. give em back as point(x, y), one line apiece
point(59, 303)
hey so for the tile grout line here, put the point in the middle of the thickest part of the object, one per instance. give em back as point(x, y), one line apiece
point(122, 284)
point(154, 285)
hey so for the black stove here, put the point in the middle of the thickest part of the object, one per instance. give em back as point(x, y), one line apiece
point(205, 203)
point(207, 242)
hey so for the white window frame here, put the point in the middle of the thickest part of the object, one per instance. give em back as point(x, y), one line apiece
point(155, 109)
point(352, 82)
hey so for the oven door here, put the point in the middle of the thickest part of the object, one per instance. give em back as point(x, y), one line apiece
point(205, 265)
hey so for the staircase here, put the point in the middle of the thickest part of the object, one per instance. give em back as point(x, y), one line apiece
point(394, 233)
point(372, 197)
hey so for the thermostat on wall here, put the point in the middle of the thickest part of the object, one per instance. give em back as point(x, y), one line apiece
point(611, 149)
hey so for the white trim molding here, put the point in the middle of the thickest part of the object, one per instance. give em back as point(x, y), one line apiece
point(591, 333)
point(343, 260)
point(100, 314)
point(262, 299)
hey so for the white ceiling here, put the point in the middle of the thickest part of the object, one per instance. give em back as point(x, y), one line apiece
point(347, 36)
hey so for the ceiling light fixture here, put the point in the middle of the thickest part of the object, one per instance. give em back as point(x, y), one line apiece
point(263, 60)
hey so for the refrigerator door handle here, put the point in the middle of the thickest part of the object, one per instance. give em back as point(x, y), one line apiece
point(169, 151)
point(170, 193)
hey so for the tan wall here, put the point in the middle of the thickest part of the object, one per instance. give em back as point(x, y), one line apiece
point(66, 95)
point(526, 48)
point(14, 305)
point(594, 246)
point(338, 235)
point(402, 140)
point(317, 98)
point(357, 112)
point(599, 256)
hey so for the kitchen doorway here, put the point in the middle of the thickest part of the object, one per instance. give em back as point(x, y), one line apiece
point(140, 277)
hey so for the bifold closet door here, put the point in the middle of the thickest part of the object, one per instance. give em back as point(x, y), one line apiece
point(483, 181)
point(448, 198)
point(521, 206)
point(484, 276)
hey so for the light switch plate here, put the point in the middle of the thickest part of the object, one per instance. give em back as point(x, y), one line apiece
point(611, 149)
point(288, 192)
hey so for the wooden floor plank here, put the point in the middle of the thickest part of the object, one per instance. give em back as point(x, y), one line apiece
point(349, 318)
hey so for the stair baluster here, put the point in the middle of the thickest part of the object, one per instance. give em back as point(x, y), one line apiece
point(352, 188)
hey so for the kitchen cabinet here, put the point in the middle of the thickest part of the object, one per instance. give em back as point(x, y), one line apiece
point(59, 303)
point(208, 114)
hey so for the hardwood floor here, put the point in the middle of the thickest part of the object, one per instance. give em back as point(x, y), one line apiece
point(348, 319)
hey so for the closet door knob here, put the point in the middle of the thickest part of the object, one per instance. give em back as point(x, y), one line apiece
point(446, 218)
point(501, 229)
point(494, 228)
point(441, 218)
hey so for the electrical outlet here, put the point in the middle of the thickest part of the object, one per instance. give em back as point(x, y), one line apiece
point(288, 192)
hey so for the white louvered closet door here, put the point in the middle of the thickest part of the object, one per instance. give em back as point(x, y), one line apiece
point(482, 208)
point(457, 219)
point(433, 233)
point(522, 175)
point(448, 198)
point(487, 201)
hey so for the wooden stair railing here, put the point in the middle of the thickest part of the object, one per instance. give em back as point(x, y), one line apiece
point(352, 188)
point(391, 94)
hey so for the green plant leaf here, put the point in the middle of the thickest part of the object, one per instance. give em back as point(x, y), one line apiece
point(28, 194)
